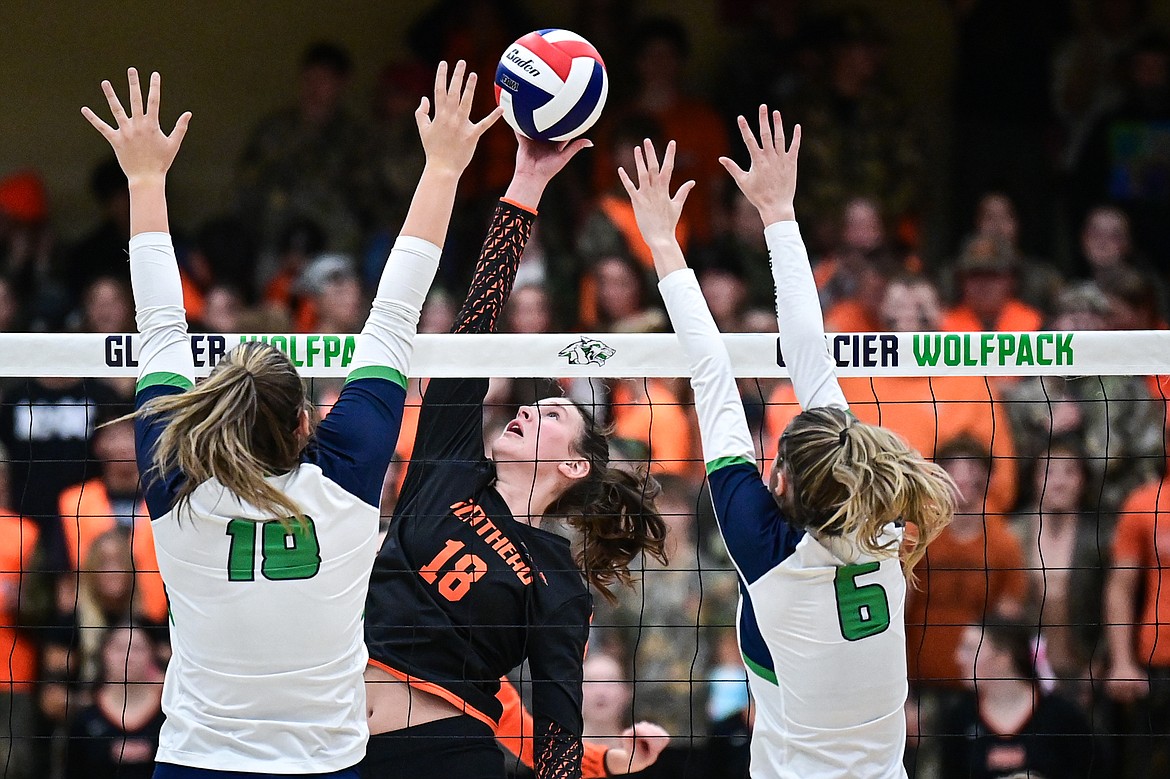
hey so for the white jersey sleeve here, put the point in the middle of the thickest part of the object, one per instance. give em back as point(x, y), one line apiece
point(723, 425)
point(165, 356)
point(802, 328)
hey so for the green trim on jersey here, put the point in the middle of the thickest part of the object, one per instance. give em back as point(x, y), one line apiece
point(761, 671)
point(723, 462)
point(164, 379)
point(377, 372)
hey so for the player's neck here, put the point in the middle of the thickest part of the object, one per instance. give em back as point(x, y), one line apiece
point(527, 497)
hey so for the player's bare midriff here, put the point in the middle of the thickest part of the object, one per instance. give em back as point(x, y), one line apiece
point(392, 704)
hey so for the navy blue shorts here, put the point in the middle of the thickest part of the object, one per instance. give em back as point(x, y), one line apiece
point(170, 771)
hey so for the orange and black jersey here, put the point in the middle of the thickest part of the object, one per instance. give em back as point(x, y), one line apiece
point(461, 592)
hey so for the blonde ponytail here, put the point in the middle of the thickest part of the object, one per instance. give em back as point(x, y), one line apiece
point(853, 479)
point(238, 427)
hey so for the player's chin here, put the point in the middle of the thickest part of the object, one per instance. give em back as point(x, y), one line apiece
point(510, 448)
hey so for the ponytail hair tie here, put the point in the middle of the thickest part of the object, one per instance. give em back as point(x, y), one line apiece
point(844, 435)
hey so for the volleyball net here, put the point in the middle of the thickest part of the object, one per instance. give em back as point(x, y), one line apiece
point(1058, 440)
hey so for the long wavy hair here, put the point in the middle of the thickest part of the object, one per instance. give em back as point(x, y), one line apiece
point(851, 479)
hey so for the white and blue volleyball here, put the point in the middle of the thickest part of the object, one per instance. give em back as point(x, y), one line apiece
point(552, 85)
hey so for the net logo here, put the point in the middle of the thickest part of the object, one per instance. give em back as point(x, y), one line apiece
point(206, 350)
point(311, 351)
point(587, 351)
point(987, 349)
point(857, 350)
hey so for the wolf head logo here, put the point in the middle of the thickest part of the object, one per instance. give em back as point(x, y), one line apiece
point(587, 351)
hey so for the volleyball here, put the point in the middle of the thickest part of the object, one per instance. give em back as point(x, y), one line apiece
point(552, 84)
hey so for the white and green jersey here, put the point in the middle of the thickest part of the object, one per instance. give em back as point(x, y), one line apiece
point(820, 623)
point(266, 615)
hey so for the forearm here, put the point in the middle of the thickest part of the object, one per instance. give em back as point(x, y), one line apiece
point(668, 256)
point(387, 340)
point(1120, 604)
point(158, 302)
point(723, 425)
point(802, 327)
point(525, 190)
point(495, 273)
point(430, 209)
point(148, 205)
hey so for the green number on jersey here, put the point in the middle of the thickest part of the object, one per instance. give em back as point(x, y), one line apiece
point(288, 551)
point(863, 610)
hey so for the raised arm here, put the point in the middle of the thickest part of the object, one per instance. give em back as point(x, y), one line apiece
point(770, 185)
point(166, 366)
point(749, 519)
point(451, 420)
point(723, 425)
point(355, 442)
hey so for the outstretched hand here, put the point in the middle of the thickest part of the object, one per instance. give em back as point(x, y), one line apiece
point(449, 139)
point(656, 212)
point(143, 150)
point(770, 182)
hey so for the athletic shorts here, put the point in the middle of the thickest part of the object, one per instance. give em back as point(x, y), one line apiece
point(460, 747)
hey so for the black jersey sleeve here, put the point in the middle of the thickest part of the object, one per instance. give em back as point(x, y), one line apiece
point(450, 424)
point(556, 653)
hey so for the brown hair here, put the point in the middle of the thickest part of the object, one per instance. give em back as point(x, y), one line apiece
point(613, 509)
point(852, 479)
point(237, 427)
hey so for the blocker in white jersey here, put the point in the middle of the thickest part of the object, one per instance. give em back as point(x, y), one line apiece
point(266, 531)
point(817, 550)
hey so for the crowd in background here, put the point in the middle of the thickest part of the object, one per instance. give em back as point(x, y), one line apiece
point(1043, 609)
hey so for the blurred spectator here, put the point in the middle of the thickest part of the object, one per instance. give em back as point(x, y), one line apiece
point(331, 285)
point(725, 290)
point(1107, 247)
point(859, 138)
point(1011, 725)
point(661, 48)
point(666, 626)
point(861, 233)
point(988, 273)
point(102, 251)
point(397, 159)
point(301, 241)
point(606, 695)
point(1111, 417)
point(223, 253)
point(770, 57)
point(929, 412)
point(971, 571)
point(18, 644)
point(729, 712)
point(1002, 108)
point(107, 306)
point(116, 736)
point(1137, 618)
point(742, 249)
point(1133, 302)
point(223, 309)
point(112, 500)
point(1065, 549)
point(1038, 282)
point(622, 301)
point(1126, 160)
point(10, 305)
point(47, 424)
point(529, 311)
point(308, 160)
point(28, 248)
point(1086, 77)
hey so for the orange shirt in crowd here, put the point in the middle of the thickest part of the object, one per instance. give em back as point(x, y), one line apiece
point(1015, 316)
point(86, 514)
point(18, 538)
point(515, 734)
point(926, 411)
point(961, 582)
point(649, 412)
point(1142, 540)
point(850, 316)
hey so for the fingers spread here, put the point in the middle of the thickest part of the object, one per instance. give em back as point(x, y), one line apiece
point(625, 179)
point(468, 96)
point(483, 124)
point(651, 157)
point(668, 160)
point(778, 123)
point(455, 88)
point(422, 114)
point(766, 142)
point(180, 130)
point(440, 82)
point(680, 197)
point(749, 140)
point(794, 149)
point(154, 94)
point(732, 167)
point(640, 166)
